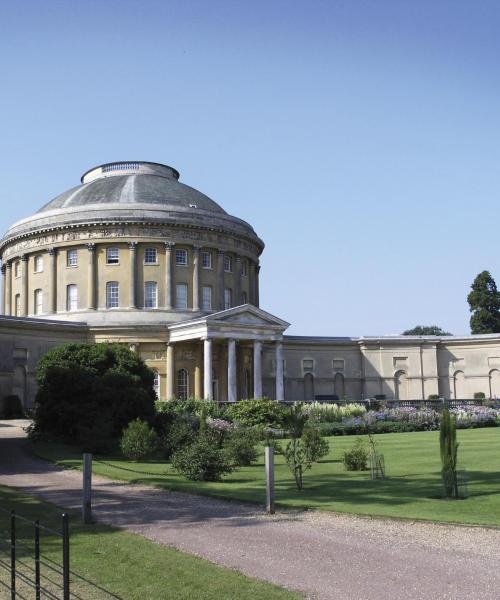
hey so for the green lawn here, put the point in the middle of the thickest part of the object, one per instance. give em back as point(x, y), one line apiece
point(130, 566)
point(413, 489)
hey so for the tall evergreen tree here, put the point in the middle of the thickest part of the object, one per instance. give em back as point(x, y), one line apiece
point(484, 302)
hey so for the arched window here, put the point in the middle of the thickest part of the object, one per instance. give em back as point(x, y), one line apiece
point(308, 386)
point(156, 382)
point(459, 385)
point(400, 386)
point(71, 297)
point(244, 297)
point(112, 294)
point(38, 302)
point(495, 383)
point(228, 298)
point(339, 385)
point(183, 384)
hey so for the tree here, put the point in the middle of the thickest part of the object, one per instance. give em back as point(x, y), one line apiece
point(484, 302)
point(91, 388)
point(426, 330)
point(449, 447)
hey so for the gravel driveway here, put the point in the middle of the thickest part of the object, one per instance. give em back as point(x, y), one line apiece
point(323, 555)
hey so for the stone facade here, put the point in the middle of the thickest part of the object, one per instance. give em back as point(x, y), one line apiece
point(134, 256)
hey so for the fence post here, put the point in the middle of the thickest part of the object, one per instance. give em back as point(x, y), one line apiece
point(65, 533)
point(37, 560)
point(13, 594)
point(269, 453)
point(87, 489)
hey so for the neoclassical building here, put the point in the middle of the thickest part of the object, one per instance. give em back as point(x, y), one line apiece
point(134, 256)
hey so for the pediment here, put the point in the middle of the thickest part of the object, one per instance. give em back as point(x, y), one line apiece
point(247, 315)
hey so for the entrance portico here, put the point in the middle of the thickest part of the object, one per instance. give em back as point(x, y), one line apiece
point(247, 327)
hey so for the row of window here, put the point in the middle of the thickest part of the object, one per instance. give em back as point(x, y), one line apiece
point(150, 297)
point(150, 258)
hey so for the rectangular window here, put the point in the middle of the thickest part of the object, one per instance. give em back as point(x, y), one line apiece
point(112, 256)
point(228, 264)
point(151, 294)
point(181, 258)
point(150, 256)
point(206, 260)
point(17, 269)
point(338, 364)
point(72, 258)
point(228, 298)
point(38, 264)
point(308, 364)
point(244, 298)
point(112, 294)
point(206, 301)
point(244, 268)
point(181, 295)
point(17, 303)
point(72, 297)
point(156, 382)
point(38, 302)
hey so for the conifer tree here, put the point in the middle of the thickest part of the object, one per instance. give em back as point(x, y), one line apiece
point(484, 302)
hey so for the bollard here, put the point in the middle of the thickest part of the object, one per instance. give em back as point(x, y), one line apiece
point(269, 453)
point(87, 489)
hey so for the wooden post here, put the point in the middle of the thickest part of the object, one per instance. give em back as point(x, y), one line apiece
point(87, 489)
point(269, 452)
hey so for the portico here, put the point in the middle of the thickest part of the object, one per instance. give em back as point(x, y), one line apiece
point(245, 328)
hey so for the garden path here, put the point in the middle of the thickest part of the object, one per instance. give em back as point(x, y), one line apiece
point(324, 555)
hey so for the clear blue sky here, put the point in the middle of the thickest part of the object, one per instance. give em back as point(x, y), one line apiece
point(360, 138)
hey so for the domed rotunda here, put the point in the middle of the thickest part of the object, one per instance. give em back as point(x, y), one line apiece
point(144, 259)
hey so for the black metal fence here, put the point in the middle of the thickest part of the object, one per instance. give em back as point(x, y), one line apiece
point(29, 573)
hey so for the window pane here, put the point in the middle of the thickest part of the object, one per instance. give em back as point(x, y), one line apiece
point(150, 256)
point(228, 298)
point(207, 298)
point(72, 297)
point(181, 295)
point(18, 305)
point(156, 382)
point(228, 263)
point(244, 268)
point(112, 294)
point(181, 257)
point(183, 384)
point(38, 264)
point(72, 258)
point(151, 294)
point(206, 260)
point(244, 298)
point(112, 256)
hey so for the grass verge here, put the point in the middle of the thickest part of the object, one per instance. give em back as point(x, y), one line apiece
point(125, 564)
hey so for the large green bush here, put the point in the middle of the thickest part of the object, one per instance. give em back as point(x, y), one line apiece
point(263, 412)
point(356, 459)
point(139, 440)
point(241, 447)
point(80, 385)
point(202, 461)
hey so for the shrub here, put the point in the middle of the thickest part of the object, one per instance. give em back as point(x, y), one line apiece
point(202, 461)
point(328, 413)
point(479, 395)
point(250, 413)
point(241, 447)
point(190, 407)
point(433, 397)
point(11, 407)
point(78, 383)
point(180, 434)
point(315, 447)
point(356, 459)
point(139, 440)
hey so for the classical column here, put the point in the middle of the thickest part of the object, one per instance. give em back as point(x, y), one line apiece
point(196, 278)
point(207, 369)
point(52, 305)
point(232, 393)
point(24, 286)
point(170, 371)
point(257, 293)
point(198, 382)
point(8, 288)
point(220, 279)
point(257, 369)
point(91, 295)
point(251, 284)
point(237, 282)
point(168, 275)
point(280, 389)
point(4, 270)
point(133, 275)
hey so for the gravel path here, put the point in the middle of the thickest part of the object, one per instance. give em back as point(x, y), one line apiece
point(323, 555)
